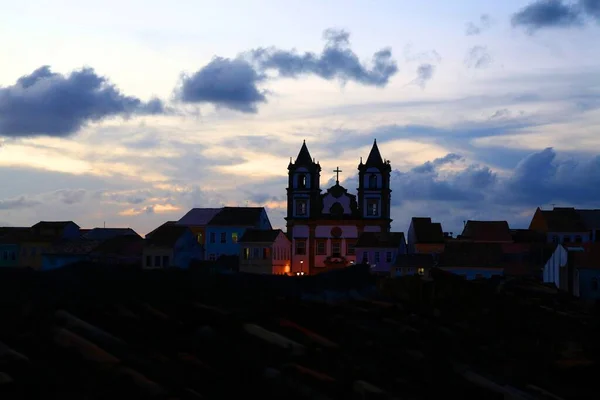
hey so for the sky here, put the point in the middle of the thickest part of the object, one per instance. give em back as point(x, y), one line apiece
point(130, 113)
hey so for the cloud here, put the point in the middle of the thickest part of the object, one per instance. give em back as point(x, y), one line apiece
point(424, 74)
point(18, 202)
point(225, 83)
point(234, 83)
point(478, 57)
point(48, 103)
point(548, 14)
point(591, 7)
point(473, 29)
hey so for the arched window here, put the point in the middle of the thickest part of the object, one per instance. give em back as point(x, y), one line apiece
point(302, 181)
point(373, 181)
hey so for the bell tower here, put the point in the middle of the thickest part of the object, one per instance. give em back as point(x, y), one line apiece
point(374, 193)
point(304, 186)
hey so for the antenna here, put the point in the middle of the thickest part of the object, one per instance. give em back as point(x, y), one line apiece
point(104, 224)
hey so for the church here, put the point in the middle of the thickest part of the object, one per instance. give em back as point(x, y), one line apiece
point(324, 227)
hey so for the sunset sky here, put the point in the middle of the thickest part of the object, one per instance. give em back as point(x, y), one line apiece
point(133, 112)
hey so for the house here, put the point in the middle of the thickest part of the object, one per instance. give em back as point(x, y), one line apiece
point(10, 245)
point(41, 238)
point(56, 229)
point(591, 220)
point(413, 264)
point(197, 219)
point(265, 252)
point(575, 269)
point(486, 232)
point(425, 236)
point(473, 260)
point(102, 234)
point(170, 245)
point(120, 250)
point(226, 228)
point(148, 235)
point(379, 249)
point(563, 225)
point(67, 252)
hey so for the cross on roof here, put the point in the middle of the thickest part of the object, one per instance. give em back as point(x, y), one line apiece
point(337, 170)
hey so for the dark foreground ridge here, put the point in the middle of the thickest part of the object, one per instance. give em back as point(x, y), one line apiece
point(92, 333)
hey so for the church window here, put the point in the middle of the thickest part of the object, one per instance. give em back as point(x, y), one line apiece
point(213, 237)
point(377, 257)
point(336, 249)
point(300, 247)
point(388, 256)
point(301, 206)
point(246, 253)
point(350, 249)
point(321, 251)
point(266, 253)
point(372, 207)
point(234, 237)
point(223, 237)
point(302, 182)
point(373, 181)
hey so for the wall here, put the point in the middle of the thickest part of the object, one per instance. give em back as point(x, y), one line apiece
point(557, 260)
point(300, 231)
point(472, 273)
point(277, 263)
point(55, 261)
point(378, 266)
point(9, 255)
point(324, 231)
point(559, 237)
point(428, 248)
point(154, 252)
point(186, 249)
point(71, 231)
point(228, 248)
point(31, 254)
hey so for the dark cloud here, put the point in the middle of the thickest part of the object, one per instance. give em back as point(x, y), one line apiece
point(478, 57)
point(424, 74)
point(18, 202)
point(70, 196)
point(591, 7)
point(336, 61)
point(548, 14)
point(225, 83)
point(477, 28)
point(48, 103)
point(234, 83)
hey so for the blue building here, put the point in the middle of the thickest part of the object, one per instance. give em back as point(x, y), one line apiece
point(170, 245)
point(227, 227)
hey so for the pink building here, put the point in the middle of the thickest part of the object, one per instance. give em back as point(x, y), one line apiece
point(265, 252)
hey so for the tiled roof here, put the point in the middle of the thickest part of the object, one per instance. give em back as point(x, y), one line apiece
point(487, 231)
point(198, 216)
point(166, 235)
point(590, 218)
point(160, 227)
point(374, 159)
point(53, 224)
point(260, 235)
point(108, 233)
point(472, 254)
point(427, 231)
point(118, 333)
point(237, 216)
point(380, 240)
point(121, 245)
point(561, 219)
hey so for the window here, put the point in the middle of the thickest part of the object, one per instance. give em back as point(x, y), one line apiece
point(148, 261)
point(246, 253)
point(578, 239)
point(554, 239)
point(213, 237)
point(421, 271)
point(365, 258)
point(594, 284)
point(373, 181)
point(157, 261)
point(300, 247)
point(234, 237)
point(377, 254)
point(255, 253)
point(266, 253)
point(350, 249)
point(388, 256)
point(5, 255)
point(165, 261)
point(336, 249)
point(372, 207)
point(302, 181)
point(199, 238)
point(223, 237)
point(321, 248)
point(301, 206)
point(212, 257)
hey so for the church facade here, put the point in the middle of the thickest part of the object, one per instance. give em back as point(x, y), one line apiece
point(323, 227)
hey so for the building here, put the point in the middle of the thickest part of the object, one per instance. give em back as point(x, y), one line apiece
point(380, 249)
point(413, 264)
point(425, 236)
point(67, 252)
point(486, 232)
point(41, 238)
point(575, 269)
point(226, 228)
point(102, 234)
point(10, 239)
point(170, 245)
point(472, 260)
point(324, 227)
point(197, 220)
point(265, 252)
point(119, 250)
point(567, 225)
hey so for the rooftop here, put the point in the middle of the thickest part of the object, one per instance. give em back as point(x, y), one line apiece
point(237, 216)
point(487, 231)
point(380, 239)
point(260, 235)
point(198, 216)
point(427, 231)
